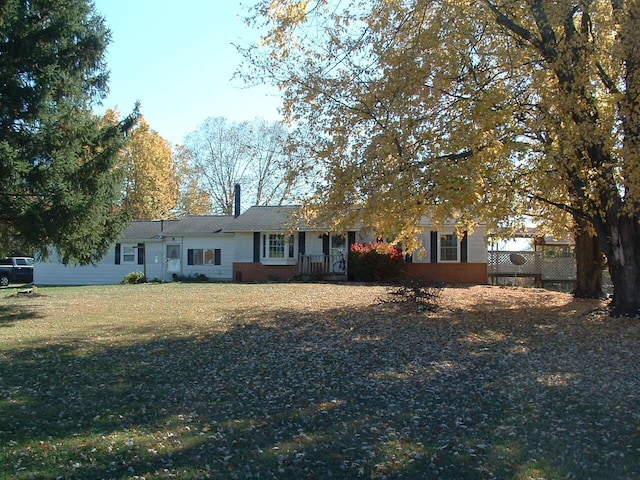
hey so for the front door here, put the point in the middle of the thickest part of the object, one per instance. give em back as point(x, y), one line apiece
point(338, 245)
point(339, 254)
point(173, 259)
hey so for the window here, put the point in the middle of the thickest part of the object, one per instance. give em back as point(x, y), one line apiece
point(276, 246)
point(448, 248)
point(202, 256)
point(128, 254)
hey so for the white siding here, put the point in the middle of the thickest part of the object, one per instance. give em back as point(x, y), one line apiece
point(476, 245)
point(313, 243)
point(365, 238)
point(106, 272)
point(224, 271)
point(243, 246)
point(154, 258)
point(243, 243)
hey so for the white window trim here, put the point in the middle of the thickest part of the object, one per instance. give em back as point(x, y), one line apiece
point(265, 259)
point(131, 250)
point(458, 246)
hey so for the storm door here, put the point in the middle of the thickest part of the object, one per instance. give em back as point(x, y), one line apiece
point(173, 259)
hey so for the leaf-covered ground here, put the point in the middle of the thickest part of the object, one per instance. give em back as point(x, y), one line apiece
point(315, 381)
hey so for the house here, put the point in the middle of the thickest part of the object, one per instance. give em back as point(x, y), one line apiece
point(266, 248)
point(448, 258)
point(260, 244)
point(162, 250)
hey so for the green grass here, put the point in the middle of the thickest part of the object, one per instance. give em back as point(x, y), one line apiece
point(298, 381)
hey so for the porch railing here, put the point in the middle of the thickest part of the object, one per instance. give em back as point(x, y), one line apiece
point(323, 265)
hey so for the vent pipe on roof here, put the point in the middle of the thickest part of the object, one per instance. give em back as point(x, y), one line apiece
point(236, 200)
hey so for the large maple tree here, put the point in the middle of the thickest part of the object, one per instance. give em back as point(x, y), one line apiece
point(466, 110)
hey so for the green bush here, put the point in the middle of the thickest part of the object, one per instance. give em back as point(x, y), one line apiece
point(134, 278)
point(377, 262)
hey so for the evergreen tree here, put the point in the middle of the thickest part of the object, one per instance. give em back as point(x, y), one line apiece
point(59, 185)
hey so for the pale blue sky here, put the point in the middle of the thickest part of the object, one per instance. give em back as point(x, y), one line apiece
point(177, 59)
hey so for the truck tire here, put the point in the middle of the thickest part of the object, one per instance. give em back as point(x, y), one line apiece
point(4, 280)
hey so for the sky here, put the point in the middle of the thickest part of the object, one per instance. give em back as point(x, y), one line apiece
point(178, 60)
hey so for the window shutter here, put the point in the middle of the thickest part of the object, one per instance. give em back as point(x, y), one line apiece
point(351, 239)
point(302, 238)
point(217, 256)
point(434, 246)
point(141, 254)
point(325, 244)
point(190, 256)
point(291, 246)
point(256, 246)
point(464, 255)
point(118, 254)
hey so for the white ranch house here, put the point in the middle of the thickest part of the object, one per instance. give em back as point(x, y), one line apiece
point(258, 245)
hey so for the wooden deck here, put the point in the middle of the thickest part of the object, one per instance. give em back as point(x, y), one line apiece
point(530, 264)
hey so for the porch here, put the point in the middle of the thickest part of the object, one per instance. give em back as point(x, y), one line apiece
point(326, 267)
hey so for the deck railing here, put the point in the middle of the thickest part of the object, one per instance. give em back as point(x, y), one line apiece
point(531, 264)
point(501, 263)
point(558, 268)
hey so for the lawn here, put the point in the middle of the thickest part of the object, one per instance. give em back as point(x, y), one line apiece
point(314, 381)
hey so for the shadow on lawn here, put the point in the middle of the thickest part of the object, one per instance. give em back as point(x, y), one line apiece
point(343, 393)
point(9, 314)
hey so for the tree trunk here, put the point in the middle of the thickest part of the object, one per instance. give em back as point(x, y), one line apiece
point(623, 255)
point(589, 263)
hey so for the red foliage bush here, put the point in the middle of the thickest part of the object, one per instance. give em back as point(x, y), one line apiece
point(374, 261)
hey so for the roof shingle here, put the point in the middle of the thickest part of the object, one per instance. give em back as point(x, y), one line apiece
point(264, 218)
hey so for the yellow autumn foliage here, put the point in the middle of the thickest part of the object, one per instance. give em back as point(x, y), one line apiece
point(152, 183)
point(468, 110)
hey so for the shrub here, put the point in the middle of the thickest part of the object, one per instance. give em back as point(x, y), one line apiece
point(134, 278)
point(195, 278)
point(374, 262)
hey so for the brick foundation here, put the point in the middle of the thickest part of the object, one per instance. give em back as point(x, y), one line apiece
point(452, 273)
point(257, 272)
